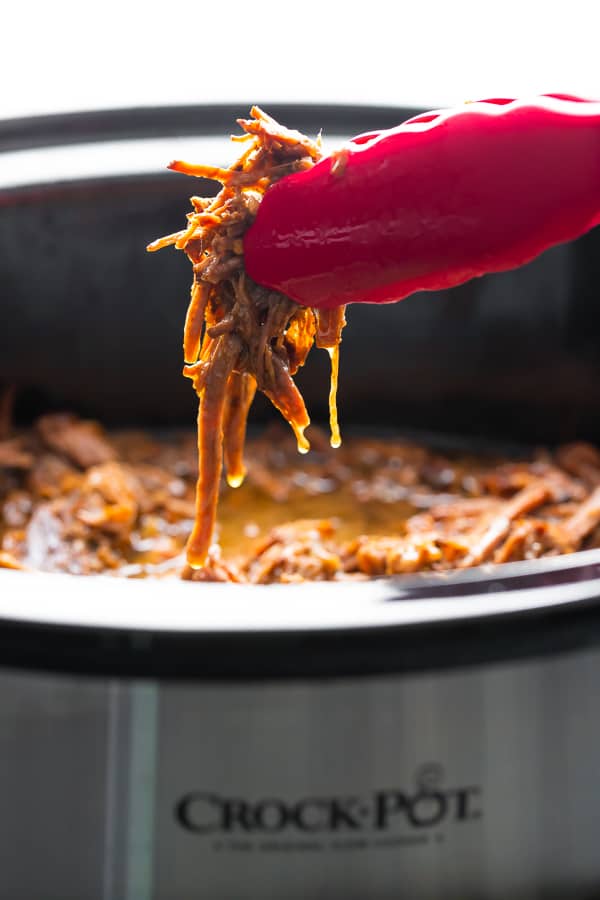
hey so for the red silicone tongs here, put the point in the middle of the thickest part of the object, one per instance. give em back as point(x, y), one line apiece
point(442, 198)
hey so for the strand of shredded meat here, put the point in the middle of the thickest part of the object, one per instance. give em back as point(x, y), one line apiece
point(239, 336)
point(74, 498)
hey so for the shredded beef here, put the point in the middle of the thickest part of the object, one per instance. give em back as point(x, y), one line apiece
point(238, 336)
point(83, 443)
point(298, 551)
point(13, 456)
point(369, 509)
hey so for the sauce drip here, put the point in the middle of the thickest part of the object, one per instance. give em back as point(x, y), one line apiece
point(329, 336)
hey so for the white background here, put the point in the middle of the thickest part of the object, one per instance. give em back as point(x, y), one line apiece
point(58, 56)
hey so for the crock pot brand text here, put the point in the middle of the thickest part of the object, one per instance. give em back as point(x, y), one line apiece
point(430, 805)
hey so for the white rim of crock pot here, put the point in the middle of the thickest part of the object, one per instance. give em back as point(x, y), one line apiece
point(118, 158)
point(171, 605)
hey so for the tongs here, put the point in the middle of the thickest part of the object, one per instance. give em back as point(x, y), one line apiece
point(444, 197)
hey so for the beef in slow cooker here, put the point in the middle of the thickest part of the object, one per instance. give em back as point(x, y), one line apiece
point(240, 336)
point(76, 498)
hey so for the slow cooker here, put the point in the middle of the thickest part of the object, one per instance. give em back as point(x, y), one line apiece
point(411, 738)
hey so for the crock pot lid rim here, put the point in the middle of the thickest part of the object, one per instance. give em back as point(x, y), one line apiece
point(83, 126)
